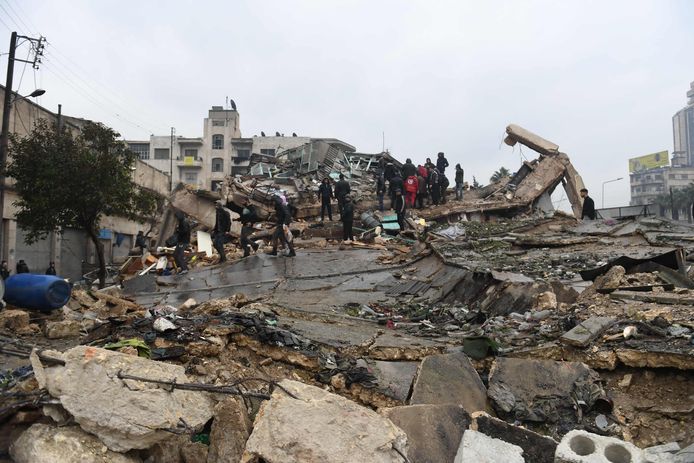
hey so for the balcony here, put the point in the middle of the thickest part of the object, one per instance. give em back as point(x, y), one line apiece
point(189, 161)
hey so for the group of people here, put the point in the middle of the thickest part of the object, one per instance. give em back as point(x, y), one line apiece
point(22, 267)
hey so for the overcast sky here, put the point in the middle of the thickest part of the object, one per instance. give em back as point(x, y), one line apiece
point(600, 79)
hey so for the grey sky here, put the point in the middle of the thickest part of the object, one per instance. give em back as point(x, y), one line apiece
point(601, 79)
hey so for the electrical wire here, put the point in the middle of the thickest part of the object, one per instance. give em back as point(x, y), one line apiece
point(28, 29)
point(33, 29)
point(8, 15)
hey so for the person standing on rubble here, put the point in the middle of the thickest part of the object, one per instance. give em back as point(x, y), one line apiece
point(588, 211)
point(222, 227)
point(325, 191)
point(421, 190)
point(400, 207)
point(342, 189)
point(408, 169)
point(282, 233)
point(51, 269)
point(347, 218)
point(441, 163)
point(389, 171)
point(434, 187)
point(459, 182)
point(380, 190)
point(428, 164)
point(395, 183)
point(22, 267)
point(411, 188)
point(4, 270)
point(248, 217)
point(443, 182)
point(182, 242)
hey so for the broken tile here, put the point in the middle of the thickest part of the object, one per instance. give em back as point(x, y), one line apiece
point(585, 332)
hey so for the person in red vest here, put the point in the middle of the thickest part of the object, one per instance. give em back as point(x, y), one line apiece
point(411, 187)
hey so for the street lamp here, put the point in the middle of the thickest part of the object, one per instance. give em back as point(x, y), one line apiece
point(603, 189)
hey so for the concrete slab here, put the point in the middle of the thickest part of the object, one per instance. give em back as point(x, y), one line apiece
point(588, 330)
point(479, 448)
point(449, 379)
point(536, 447)
point(433, 431)
point(394, 378)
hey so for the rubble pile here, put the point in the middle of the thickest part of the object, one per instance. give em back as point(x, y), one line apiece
point(528, 336)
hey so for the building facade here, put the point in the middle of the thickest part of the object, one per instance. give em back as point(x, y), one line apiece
point(683, 133)
point(221, 151)
point(71, 250)
point(647, 185)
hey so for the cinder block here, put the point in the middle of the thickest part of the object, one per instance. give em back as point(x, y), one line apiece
point(476, 447)
point(584, 447)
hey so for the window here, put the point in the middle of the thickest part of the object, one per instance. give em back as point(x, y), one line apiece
point(218, 123)
point(268, 151)
point(216, 185)
point(191, 153)
point(243, 154)
point(161, 153)
point(140, 149)
point(191, 177)
point(685, 176)
point(671, 176)
point(217, 142)
point(217, 165)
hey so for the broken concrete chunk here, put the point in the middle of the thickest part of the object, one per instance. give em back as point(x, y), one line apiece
point(587, 331)
point(479, 448)
point(13, 320)
point(62, 329)
point(433, 431)
point(542, 390)
point(394, 378)
point(545, 301)
point(584, 447)
point(536, 447)
point(230, 430)
point(686, 455)
point(124, 413)
point(449, 379)
point(612, 279)
point(42, 443)
point(320, 427)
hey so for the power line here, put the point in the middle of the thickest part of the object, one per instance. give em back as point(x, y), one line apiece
point(19, 7)
point(28, 29)
point(10, 17)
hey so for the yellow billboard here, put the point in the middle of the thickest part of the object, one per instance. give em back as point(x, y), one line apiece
point(649, 161)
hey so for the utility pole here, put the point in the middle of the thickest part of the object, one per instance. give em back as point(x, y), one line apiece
point(173, 131)
point(37, 45)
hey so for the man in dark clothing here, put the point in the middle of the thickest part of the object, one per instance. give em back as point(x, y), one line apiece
point(4, 270)
point(441, 163)
point(248, 217)
point(380, 191)
point(284, 218)
point(220, 233)
point(347, 218)
point(443, 182)
point(421, 191)
point(408, 169)
point(51, 269)
point(588, 206)
point(400, 208)
point(396, 183)
point(341, 190)
point(325, 191)
point(434, 187)
point(459, 182)
point(428, 164)
point(182, 242)
point(22, 267)
point(389, 171)
point(140, 242)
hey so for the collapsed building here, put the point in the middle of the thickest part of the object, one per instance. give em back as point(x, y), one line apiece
point(489, 330)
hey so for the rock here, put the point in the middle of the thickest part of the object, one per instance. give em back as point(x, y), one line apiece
point(479, 448)
point(612, 279)
point(545, 301)
point(321, 427)
point(625, 382)
point(338, 381)
point(686, 455)
point(62, 329)
point(124, 413)
point(588, 330)
point(584, 447)
point(42, 443)
point(433, 431)
point(14, 320)
point(161, 324)
point(394, 378)
point(194, 452)
point(188, 304)
point(541, 390)
point(449, 379)
point(536, 447)
point(230, 430)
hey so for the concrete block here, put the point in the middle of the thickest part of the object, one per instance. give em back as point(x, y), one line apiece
point(584, 447)
point(585, 332)
point(536, 447)
point(686, 455)
point(476, 447)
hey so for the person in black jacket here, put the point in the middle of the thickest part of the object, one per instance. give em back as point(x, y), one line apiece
point(325, 191)
point(4, 270)
point(284, 218)
point(588, 206)
point(22, 267)
point(395, 184)
point(380, 191)
point(51, 269)
point(400, 208)
point(409, 169)
point(182, 242)
point(347, 218)
point(220, 233)
point(434, 187)
point(341, 190)
point(248, 217)
point(140, 242)
point(441, 163)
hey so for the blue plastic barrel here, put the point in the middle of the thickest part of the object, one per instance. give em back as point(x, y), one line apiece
point(38, 292)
